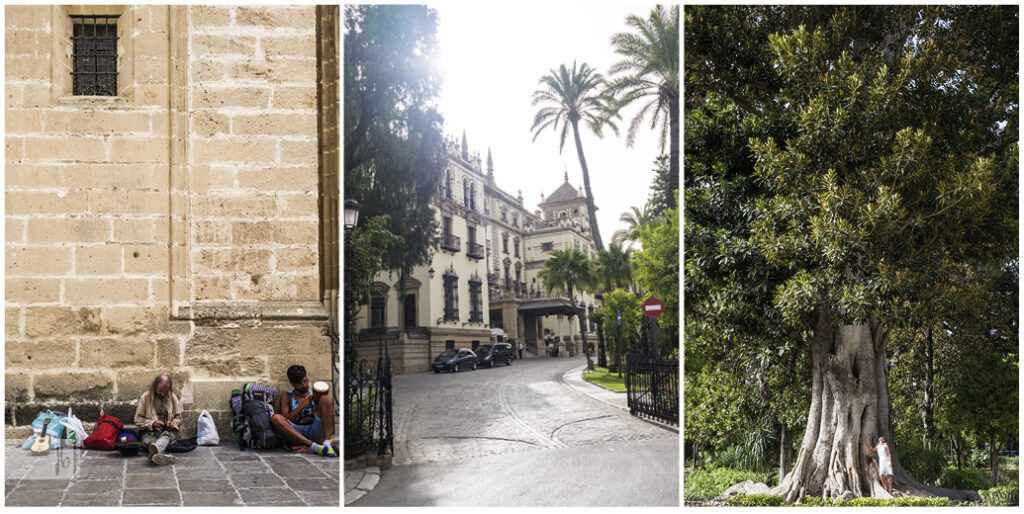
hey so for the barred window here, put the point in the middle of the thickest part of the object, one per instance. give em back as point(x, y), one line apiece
point(94, 56)
point(451, 297)
point(476, 314)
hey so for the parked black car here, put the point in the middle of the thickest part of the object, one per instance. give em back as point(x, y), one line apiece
point(455, 360)
point(493, 354)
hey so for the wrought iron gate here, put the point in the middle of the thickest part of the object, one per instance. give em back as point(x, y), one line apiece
point(368, 407)
point(652, 388)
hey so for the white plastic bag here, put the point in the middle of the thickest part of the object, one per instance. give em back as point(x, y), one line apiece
point(206, 430)
point(76, 432)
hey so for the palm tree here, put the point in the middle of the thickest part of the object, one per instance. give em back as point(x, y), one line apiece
point(614, 268)
point(571, 96)
point(565, 271)
point(634, 219)
point(651, 75)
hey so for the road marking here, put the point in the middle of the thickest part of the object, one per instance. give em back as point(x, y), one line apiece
point(507, 407)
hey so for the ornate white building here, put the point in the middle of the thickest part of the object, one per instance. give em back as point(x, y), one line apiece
point(484, 275)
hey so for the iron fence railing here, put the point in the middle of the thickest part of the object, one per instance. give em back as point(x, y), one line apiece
point(369, 419)
point(475, 250)
point(652, 388)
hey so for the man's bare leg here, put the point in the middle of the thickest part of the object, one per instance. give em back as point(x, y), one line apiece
point(325, 409)
point(285, 429)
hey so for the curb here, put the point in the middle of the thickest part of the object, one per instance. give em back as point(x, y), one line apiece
point(360, 481)
point(577, 374)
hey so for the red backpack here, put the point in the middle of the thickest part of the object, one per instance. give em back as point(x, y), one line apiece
point(103, 436)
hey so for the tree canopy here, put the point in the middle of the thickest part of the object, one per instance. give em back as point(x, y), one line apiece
point(392, 131)
point(847, 166)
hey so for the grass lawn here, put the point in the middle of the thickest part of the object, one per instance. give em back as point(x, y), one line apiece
point(601, 377)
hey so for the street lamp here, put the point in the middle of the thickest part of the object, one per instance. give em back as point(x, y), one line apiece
point(351, 213)
point(353, 434)
point(431, 272)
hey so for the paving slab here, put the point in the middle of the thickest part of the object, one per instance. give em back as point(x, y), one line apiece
point(207, 476)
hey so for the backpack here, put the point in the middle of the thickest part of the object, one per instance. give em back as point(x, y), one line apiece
point(103, 436)
point(250, 425)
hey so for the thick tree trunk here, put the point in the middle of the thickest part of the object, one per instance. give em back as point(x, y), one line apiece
point(602, 355)
point(993, 460)
point(849, 408)
point(785, 450)
point(929, 397)
point(591, 208)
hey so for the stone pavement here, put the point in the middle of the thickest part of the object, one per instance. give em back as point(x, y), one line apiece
point(360, 481)
point(207, 476)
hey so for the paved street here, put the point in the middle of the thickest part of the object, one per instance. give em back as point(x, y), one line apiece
point(521, 436)
point(207, 476)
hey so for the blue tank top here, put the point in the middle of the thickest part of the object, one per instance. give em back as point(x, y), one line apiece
point(306, 411)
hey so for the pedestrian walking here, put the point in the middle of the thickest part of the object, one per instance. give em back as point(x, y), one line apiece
point(520, 349)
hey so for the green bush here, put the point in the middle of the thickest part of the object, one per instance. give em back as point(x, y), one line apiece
point(706, 484)
point(1009, 462)
point(756, 500)
point(905, 501)
point(1005, 496)
point(921, 463)
point(965, 478)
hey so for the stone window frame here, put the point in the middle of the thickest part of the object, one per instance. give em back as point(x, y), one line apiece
point(476, 314)
point(547, 247)
point(62, 49)
point(451, 296)
point(504, 242)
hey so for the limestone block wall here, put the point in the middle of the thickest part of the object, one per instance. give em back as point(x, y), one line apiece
point(172, 228)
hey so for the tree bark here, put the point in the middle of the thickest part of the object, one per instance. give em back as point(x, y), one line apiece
point(591, 208)
point(673, 162)
point(602, 355)
point(929, 398)
point(993, 459)
point(785, 450)
point(849, 408)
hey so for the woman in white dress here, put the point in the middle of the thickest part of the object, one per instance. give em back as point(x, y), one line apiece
point(884, 462)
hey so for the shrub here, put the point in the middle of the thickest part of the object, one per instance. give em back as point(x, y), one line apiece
point(1004, 496)
point(921, 463)
point(756, 500)
point(707, 484)
point(905, 501)
point(966, 478)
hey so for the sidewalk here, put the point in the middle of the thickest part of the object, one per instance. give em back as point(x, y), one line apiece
point(574, 377)
point(207, 476)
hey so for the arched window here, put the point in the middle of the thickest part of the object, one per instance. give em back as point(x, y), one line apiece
point(448, 185)
point(465, 192)
point(472, 195)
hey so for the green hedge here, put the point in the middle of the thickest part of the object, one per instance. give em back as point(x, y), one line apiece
point(905, 501)
point(1005, 496)
point(756, 500)
point(707, 484)
point(965, 479)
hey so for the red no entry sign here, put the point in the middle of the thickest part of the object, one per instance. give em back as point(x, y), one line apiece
point(653, 307)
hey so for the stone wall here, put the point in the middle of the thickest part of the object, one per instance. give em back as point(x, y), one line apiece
point(172, 228)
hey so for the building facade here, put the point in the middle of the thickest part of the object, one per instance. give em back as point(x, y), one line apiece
point(483, 279)
point(171, 188)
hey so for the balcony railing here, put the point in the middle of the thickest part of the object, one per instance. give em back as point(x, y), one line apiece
point(452, 243)
point(475, 250)
point(492, 279)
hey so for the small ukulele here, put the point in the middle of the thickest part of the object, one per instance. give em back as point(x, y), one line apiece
point(42, 444)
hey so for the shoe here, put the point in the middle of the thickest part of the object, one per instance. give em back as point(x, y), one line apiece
point(162, 459)
point(153, 450)
point(323, 450)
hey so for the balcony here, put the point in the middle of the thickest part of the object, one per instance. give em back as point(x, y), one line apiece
point(475, 250)
point(492, 279)
point(451, 243)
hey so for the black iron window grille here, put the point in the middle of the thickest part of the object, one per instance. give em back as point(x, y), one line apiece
point(451, 297)
point(476, 315)
point(94, 56)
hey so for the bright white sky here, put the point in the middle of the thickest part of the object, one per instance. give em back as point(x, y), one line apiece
point(492, 57)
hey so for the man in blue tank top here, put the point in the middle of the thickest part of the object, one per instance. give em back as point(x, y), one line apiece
point(305, 418)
